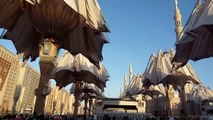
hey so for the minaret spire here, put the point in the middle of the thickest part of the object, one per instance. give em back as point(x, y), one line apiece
point(121, 92)
point(130, 72)
point(178, 21)
point(125, 80)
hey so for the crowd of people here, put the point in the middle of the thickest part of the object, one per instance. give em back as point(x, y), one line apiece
point(45, 117)
point(105, 117)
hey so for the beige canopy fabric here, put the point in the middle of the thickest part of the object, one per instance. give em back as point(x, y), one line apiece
point(209, 92)
point(10, 11)
point(91, 88)
point(160, 71)
point(29, 22)
point(149, 71)
point(196, 40)
point(87, 88)
point(154, 91)
point(199, 94)
point(87, 42)
point(91, 10)
point(54, 18)
point(27, 42)
point(135, 86)
point(71, 68)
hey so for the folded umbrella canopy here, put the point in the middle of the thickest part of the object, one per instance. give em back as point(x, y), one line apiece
point(148, 74)
point(195, 42)
point(135, 86)
point(29, 22)
point(71, 69)
point(161, 72)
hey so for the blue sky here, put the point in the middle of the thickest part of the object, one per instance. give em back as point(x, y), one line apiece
point(139, 28)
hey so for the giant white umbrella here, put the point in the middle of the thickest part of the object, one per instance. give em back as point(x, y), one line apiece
point(195, 43)
point(76, 25)
point(161, 71)
point(42, 27)
point(72, 69)
point(79, 70)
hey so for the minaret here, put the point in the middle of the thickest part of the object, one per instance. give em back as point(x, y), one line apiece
point(121, 92)
point(125, 80)
point(178, 21)
point(130, 72)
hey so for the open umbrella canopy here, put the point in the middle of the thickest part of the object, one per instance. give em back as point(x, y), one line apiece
point(135, 86)
point(195, 42)
point(71, 69)
point(161, 71)
point(91, 10)
point(75, 25)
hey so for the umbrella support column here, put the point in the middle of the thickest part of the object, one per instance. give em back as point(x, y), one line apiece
point(157, 105)
point(85, 107)
point(183, 97)
point(14, 106)
point(90, 106)
point(40, 98)
point(77, 95)
point(48, 54)
point(169, 95)
point(76, 104)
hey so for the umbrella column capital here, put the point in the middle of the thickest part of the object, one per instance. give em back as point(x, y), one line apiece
point(48, 54)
